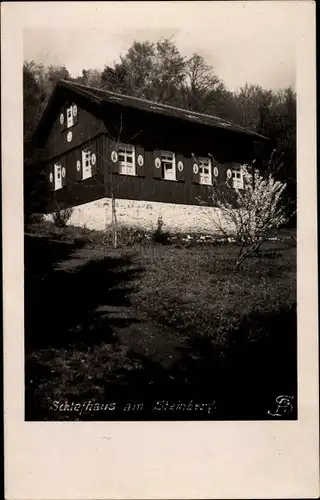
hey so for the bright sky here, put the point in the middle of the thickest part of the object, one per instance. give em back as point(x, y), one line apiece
point(250, 42)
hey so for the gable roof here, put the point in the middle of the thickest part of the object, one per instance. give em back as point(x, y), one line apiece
point(101, 96)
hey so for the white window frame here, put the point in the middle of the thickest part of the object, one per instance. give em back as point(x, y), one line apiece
point(237, 178)
point(57, 176)
point(168, 158)
point(86, 164)
point(205, 171)
point(126, 159)
point(70, 116)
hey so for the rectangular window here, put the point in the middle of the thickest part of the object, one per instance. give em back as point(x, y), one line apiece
point(168, 164)
point(86, 163)
point(69, 117)
point(57, 176)
point(205, 171)
point(126, 158)
point(237, 178)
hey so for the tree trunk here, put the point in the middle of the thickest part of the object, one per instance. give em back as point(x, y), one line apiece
point(245, 253)
point(239, 261)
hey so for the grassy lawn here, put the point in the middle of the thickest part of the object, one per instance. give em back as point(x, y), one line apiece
point(148, 322)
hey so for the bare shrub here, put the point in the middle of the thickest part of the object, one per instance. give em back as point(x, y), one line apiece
point(159, 235)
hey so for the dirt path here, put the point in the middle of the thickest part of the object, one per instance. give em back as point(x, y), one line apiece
point(132, 330)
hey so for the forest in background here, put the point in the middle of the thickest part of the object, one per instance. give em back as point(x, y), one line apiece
point(159, 72)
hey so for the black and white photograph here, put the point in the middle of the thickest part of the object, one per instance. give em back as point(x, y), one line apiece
point(162, 185)
point(160, 223)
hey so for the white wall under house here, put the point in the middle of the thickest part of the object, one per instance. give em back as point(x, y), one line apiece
point(97, 215)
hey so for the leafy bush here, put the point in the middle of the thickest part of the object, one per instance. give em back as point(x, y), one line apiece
point(130, 236)
point(126, 236)
point(34, 218)
point(61, 215)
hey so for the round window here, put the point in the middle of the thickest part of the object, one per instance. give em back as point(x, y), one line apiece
point(229, 173)
point(51, 177)
point(78, 165)
point(195, 168)
point(114, 156)
point(63, 172)
point(216, 171)
point(74, 110)
point(93, 159)
point(69, 136)
point(61, 118)
point(140, 160)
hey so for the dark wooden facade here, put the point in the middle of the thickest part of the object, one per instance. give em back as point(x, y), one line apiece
point(101, 126)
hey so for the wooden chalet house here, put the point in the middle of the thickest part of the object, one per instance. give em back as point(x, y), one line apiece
point(156, 159)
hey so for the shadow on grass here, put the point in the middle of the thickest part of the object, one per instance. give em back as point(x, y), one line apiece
point(67, 304)
point(257, 363)
point(61, 303)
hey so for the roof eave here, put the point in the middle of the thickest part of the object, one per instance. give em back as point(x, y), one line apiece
point(79, 90)
point(110, 95)
point(234, 129)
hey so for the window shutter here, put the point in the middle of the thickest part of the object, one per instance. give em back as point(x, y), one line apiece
point(62, 120)
point(75, 112)
point(227, 177)
point(78, 165)
point(94, 159)
point(180, 167)
point(195, 171)
point(64, 175)
point(216, 172)
point(157, 168)
point(113, 158)
point(51, 177)
point(140, 161)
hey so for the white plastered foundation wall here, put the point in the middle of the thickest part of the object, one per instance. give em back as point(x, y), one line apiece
point(97, 215)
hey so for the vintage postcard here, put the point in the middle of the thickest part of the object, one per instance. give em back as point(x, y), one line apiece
point(160, 250)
